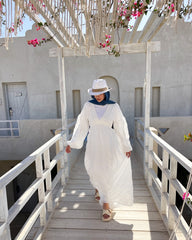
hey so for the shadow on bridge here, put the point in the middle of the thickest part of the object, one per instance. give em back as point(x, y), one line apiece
point(78, 215)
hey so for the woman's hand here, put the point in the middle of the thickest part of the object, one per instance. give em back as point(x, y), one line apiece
point(68, 149)
point(128, 154)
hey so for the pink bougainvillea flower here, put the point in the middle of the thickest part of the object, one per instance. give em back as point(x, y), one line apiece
point(184, 195)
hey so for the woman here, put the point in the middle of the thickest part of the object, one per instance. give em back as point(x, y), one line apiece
point(108, 149)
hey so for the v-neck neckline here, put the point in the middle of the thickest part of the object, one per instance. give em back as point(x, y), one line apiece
point(107, 107)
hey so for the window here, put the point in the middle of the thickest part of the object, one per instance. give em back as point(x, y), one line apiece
point(76, 103)
point(138, 102)
point(155, 111)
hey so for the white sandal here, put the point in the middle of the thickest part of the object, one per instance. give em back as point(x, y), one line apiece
point(108, 212)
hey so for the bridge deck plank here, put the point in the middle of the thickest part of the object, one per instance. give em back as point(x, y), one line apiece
point(78, 215)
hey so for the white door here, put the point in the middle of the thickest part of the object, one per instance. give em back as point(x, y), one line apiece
point(17, 101)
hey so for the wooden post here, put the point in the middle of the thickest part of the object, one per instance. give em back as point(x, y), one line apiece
point(172, 192)
point(164, 182)
point(41, 189)
point(150, 160)
point(4, 213)
point(48, 180)
point(63, 105)
point(147, 97)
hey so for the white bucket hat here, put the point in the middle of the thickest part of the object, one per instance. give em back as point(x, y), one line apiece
point(99, 86)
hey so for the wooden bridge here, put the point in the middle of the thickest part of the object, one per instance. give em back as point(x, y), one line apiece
point(68, 210)
point(78, 215)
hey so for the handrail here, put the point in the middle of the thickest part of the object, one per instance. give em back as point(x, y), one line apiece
point(15, 171)
point(185, 162)
point(165, 199)
point(46, 202)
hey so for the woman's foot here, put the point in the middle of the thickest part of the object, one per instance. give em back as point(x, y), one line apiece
point(107, 215)
point(97, 197)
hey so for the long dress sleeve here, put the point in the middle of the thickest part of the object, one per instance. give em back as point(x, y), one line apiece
point(121, 128)
point(80, 131)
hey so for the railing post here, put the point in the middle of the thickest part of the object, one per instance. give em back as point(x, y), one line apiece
point(4, 214)
point(172, 192)
point(164, 182)
point(62, 162)
point(48, 180)
point(150, 160)
point(155, 149)
point(41, 189)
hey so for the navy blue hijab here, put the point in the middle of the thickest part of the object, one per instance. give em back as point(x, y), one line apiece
point(106, 100)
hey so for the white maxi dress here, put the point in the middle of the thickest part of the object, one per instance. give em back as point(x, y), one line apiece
point(105, 160)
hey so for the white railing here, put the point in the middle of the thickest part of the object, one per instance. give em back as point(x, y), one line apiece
point(164, 190)
point(9, 128)
point(48, 189)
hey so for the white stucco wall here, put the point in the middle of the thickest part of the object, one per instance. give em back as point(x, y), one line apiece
point(23, 63)
point(171, 71)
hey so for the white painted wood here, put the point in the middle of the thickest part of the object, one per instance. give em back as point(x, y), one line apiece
point(115, 4)
point(183, 225)
point(162, 21)
point(155, 178)
point(133, 32)
point(164, 182)
point(3, 205)
point(74, 234)
point(125, 49)
point(64, 159)
point(166, 201)
point(156, 159)
point(172, 192)
point(4, 228)
point(74, 18)
point(155, 197)
point(150, 21)
point(37, 19)
point(78, 212)
point(41, 189)
point(178, 156)
point(7, 216)
point(150, 161)
point(48, 179)
point(147, 97)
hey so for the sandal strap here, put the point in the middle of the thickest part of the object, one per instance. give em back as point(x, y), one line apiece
point(107, 211)
point(97, 194)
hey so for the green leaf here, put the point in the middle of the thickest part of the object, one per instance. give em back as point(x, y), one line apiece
point(40, 24)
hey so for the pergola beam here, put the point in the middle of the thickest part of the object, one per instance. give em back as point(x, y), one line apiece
point(157, 29)
point(89, 28)
point(136, 25)
point(149, 23)
point(36, 18)
point(74, 19)
point(114, 15)
point(125, 48)
point(57, 25)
